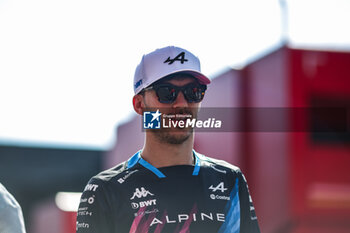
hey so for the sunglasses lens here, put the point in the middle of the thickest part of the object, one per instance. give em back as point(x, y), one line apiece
point(194, 93)
point(166, 94)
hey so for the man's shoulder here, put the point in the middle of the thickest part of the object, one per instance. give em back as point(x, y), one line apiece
point(116, 173)
point(218, 163)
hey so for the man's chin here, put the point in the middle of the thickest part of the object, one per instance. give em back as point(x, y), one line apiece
point(174, 137)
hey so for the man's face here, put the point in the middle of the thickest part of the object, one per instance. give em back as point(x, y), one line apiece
point(179, 108)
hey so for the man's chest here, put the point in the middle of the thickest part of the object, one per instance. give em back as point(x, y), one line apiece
point(175, 204)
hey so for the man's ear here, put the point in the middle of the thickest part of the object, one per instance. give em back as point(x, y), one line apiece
point(137, 102)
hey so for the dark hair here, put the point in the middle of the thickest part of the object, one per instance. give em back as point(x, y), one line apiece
point(142, 92)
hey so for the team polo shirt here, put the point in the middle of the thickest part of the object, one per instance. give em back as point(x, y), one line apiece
point(134, 196)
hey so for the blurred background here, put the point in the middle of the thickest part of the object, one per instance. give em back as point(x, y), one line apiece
point(66, 71)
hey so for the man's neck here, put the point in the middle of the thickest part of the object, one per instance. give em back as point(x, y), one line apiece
point(161, 154)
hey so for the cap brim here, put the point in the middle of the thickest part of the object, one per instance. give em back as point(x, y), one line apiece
point(198, 75)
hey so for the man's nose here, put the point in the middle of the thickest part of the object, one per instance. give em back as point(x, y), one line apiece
point(180, 101)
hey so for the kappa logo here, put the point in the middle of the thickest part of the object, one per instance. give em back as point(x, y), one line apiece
point(141, 193)
point(220, 187)
point(180, 57)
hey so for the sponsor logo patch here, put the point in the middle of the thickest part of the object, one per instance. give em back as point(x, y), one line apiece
point(91, 187)
point(219, 187)
point(142, 192)
point(136, 205)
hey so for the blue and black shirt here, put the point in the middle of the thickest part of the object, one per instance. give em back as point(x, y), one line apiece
point(210, 196)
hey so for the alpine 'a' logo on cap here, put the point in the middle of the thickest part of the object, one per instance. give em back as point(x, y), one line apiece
point(180, 57)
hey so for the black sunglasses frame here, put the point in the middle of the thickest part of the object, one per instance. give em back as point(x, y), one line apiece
point(186, 91)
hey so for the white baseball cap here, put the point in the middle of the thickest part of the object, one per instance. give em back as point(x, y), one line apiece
point(166, 61)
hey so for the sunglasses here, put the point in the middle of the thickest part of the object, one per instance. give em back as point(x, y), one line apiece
point(167, 93)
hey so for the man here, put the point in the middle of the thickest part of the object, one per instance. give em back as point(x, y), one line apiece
point(11, 217)
point(167, 186)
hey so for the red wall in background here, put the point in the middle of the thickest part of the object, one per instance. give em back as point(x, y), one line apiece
point(266, 86)
point(300, 183)
point(323, 183)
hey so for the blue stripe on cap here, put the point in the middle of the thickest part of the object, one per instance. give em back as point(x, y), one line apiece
point(151, 168)
point(233, 216)
point(197, 164)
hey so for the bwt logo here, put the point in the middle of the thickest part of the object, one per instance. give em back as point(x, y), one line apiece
point(141, 204)
point(91, 187)
point(151, 120)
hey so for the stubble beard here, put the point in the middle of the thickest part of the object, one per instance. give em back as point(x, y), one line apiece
point(173, 138)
